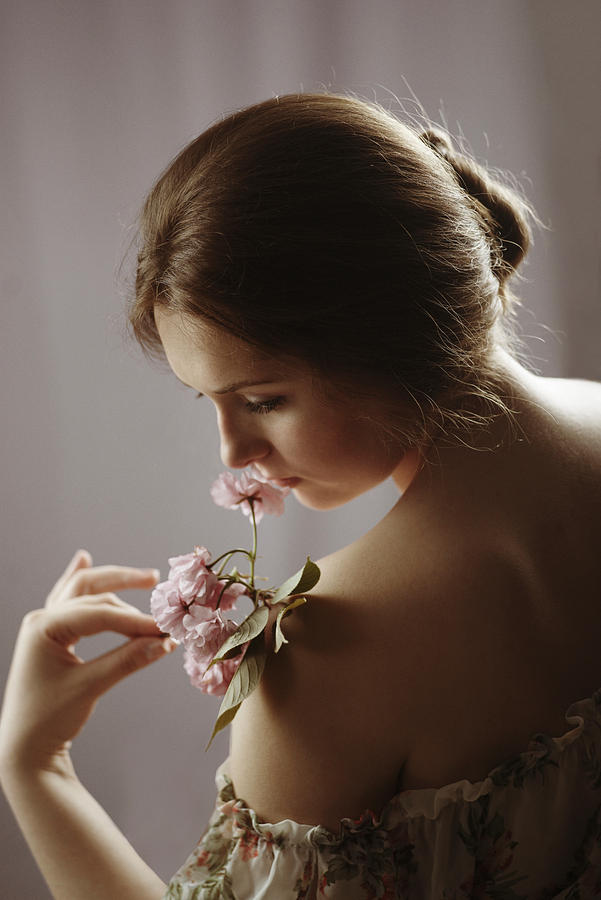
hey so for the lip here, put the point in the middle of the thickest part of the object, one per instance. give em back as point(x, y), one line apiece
point(285, 482)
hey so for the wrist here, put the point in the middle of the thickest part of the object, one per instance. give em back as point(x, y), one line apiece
point(19, 767)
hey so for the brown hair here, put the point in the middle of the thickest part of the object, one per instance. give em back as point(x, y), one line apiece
point(320, 226)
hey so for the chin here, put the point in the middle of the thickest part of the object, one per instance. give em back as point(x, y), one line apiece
point(325, 499)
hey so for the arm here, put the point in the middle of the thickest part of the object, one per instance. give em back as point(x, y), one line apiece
point(49, 696)
point(78, 848)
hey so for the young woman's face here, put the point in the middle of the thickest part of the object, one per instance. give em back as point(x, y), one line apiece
point(275, 415)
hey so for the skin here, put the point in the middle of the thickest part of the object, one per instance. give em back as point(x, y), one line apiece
point(49, 696)
point(471, 594)
point(282, 420)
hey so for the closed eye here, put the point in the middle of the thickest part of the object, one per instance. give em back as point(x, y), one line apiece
point(258, 406)
point(264, 406)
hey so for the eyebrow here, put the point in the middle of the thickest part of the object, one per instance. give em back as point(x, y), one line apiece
point(236, 385)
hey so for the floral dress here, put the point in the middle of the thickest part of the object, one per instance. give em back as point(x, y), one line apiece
point(530, 829)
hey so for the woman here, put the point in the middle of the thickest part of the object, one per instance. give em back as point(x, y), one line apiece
point(337, 285)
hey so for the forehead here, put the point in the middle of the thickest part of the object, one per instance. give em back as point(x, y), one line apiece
point(203, 354)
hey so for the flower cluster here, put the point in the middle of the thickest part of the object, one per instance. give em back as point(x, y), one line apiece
point(189, 606)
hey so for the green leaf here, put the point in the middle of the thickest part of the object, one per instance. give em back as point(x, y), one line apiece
point(279, 638)
point(246, 678)
point(249, 629)
point(304, 580)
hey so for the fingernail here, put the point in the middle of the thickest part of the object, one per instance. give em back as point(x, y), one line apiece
point(155, 573)
point(158, 648)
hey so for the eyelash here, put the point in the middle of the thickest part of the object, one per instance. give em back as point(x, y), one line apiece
point(261, 407)
point(264, 406)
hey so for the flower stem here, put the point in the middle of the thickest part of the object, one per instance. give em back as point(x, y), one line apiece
point(253, 553)
point(222, 592)
point(228, 553)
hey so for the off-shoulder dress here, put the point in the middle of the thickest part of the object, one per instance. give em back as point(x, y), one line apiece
point(530, 829)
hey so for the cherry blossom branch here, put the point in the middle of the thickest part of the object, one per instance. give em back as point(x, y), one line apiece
point(220, 655)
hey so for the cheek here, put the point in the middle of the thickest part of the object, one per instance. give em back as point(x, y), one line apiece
point(351, 452)
point(359, 444)
point(324, 441)
point(322, 444)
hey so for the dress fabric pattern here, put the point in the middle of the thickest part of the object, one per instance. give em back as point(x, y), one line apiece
point(530, 829)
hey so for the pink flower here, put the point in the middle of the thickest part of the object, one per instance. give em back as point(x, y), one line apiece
point(229, 596)
point(215, 680)
point(189, 573)
point(192, 621)
point(226, 491)
point(189, 563)
point(233, 492)
point(206, 631)
point(178, 603)
point(168, 609)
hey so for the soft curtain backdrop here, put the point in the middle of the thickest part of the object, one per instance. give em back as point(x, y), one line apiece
point(103, 451)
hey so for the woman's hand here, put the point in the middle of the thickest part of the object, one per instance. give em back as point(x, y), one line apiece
point(50, 691)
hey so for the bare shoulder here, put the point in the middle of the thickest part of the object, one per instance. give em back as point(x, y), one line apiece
point(320, 738)
point(573, 407)
point(375, 657)
point(569, 434)
point(329, 729)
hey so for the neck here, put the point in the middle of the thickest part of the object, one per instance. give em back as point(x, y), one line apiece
point(518, 388)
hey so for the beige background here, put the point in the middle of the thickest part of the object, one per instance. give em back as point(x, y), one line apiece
point(100, 450)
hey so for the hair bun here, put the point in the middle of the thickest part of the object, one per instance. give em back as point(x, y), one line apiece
point(503, 213)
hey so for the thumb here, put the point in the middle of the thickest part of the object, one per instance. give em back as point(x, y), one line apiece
point(113, 666)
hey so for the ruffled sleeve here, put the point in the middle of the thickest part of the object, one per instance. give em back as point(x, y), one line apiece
point(530, 829)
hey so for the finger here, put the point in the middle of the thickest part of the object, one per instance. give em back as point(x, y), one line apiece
point(80, 560)
point(108, 578)
point(108, 598)
point(116, 664)
point(67, 623)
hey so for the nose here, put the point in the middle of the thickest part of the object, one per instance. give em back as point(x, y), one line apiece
point(240, 445)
